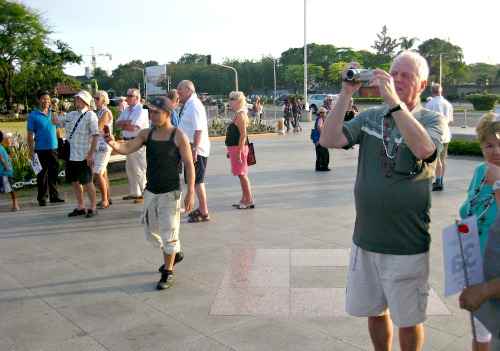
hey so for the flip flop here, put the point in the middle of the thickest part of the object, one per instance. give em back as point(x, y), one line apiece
point(199, 218)
point(194, 213)
point(246, 206)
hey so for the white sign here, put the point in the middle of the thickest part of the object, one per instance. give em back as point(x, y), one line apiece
point(154, 76)
point(35, 164)
point(453, 260)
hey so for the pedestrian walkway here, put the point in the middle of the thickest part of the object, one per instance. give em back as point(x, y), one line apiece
point(271, 278)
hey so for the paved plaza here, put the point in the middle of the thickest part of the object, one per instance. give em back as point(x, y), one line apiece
point(272, 278)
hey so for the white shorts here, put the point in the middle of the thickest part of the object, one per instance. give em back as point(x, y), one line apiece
point(101, 160)
point(377, 282)
point(162, 219)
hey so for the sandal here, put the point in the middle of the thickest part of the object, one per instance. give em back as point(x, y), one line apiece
point(246, 206)
point(199, 218)
point(101, 206)
point(194, 213)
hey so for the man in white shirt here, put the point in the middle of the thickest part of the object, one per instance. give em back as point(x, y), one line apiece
point(439, 104)
point(193, 122)
point(82, 132)
point(131, 121)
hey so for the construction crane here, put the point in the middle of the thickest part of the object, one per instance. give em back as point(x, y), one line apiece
point(93, 55)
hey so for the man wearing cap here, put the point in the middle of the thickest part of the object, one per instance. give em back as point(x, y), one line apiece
point(166, 146)
point(81, 126)
point(193, 122)
point(42, 140)
point(131, 121)
point(439, 104)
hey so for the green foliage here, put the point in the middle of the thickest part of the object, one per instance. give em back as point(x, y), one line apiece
point(28, 60)
point(20, 156)
point(385, 45)
point(334, 72)
point(482, 102)
point(218, 127)
point(453, 67)
point(466, 148)
point(368, 100)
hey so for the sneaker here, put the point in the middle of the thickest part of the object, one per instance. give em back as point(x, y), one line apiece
point(56, 200)
point(179, 256)
point(90, 213)
point(166, 280)
point(77, 212)
point(437, 187)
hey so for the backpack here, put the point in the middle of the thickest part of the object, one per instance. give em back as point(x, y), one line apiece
point(315, 131)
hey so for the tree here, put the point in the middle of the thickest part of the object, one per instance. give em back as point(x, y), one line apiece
point(454, 69)
point(294, 74)
point(27, 57)
point(334, 72)
point(193, 59)
point(406, 43)
point(385, 45)
point(128, 75)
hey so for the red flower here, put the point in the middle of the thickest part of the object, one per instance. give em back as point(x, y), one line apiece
point(463, 228)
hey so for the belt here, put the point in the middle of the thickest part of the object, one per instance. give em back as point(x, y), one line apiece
point(128, 138)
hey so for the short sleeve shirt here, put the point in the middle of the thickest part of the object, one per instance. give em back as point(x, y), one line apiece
point(80, 141)
point(392, 194)
point(193, 117)
point(441, 105)
point(139, 117)
point(43, 129)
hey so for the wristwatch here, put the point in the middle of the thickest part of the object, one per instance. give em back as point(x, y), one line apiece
point(496, 185)
point(398, 107)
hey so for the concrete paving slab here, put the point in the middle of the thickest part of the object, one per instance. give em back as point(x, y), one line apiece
point(89, 284)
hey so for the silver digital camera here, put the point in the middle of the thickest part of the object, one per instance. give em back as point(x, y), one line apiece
point(357, 75)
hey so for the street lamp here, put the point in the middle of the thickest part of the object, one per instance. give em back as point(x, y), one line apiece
point(306, 104)
point(274, 76)
point(235, 74)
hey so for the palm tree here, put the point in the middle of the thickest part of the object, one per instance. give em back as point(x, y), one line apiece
point(406, 43)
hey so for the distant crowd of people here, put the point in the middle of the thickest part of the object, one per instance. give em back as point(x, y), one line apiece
point(399, 144)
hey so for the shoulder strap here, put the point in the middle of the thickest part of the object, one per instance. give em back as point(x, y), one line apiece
point(150, 135)
point(172, 136)
point(76, 125)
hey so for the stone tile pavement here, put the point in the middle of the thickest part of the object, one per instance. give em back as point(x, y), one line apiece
point(272, 278)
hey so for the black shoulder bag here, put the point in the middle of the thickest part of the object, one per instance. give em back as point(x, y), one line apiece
point(64, 150)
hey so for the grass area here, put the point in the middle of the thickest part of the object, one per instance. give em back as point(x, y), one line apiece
point(13, 127)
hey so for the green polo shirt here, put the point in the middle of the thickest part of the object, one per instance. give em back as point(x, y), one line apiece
point(392, 196)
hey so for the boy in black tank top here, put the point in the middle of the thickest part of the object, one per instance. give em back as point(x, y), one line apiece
point(166, 146)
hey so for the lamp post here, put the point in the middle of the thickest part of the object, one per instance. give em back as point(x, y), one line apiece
point(274, 76)
point(235, 74)
point(306, 104)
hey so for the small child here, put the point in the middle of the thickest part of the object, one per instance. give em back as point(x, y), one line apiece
point(6, 171)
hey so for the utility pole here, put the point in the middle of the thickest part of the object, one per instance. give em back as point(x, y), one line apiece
point(306, 104)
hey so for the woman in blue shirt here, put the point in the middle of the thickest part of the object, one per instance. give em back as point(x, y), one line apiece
point(481, 200)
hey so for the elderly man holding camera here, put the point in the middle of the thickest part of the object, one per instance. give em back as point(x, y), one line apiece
point(398, 146)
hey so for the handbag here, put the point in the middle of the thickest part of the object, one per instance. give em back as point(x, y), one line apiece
point(64, 148)
point(251, 160)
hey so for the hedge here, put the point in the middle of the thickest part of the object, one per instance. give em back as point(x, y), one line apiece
point(368, 100)
point(482, 102)
point(464, 148)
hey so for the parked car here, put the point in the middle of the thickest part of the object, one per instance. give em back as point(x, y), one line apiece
point(316, 101)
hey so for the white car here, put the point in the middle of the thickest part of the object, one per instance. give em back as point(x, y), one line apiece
point(316, 101)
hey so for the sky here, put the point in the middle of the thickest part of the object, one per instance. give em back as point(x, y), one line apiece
point(163, 30)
